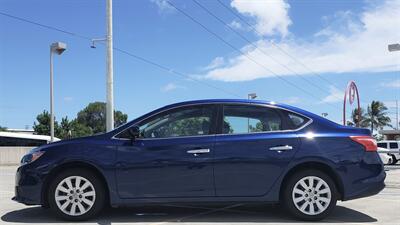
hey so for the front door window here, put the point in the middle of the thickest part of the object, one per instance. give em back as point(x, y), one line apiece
point(191, 121)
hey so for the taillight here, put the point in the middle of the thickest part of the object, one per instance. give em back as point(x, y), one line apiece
point(368, 142)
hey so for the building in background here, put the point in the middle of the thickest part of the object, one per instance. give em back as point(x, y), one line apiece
point(390, 134)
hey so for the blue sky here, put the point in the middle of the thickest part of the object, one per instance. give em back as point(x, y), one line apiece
point(338, 40)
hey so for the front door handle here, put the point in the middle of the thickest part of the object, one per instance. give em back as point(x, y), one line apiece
point(199, 151)
point(281, 148)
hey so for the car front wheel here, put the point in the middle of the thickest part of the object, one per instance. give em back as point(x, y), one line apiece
point(310, 195)
point(76, 195)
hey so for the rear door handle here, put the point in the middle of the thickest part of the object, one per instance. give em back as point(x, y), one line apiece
point(281, 148)
point(199, 151)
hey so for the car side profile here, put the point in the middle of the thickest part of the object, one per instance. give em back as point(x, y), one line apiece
point(206, 151)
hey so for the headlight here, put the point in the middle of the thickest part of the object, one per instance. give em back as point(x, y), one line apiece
point(31, 157)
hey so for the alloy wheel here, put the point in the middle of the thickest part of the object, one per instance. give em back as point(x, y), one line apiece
point(311, 195)
point(75, 195)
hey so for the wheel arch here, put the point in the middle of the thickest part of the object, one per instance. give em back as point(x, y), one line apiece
point(72, 165)
point(323, 167)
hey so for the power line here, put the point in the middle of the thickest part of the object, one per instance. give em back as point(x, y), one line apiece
point(162, 67)
point(256, 47)
point(45, 26)
point(277, 46)
point(243, 53)
point(172, 71)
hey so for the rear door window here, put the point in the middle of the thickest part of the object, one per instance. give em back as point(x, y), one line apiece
point(240, 119)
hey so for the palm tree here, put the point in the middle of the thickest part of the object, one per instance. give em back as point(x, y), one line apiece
point(357, 118)
point(376, 116)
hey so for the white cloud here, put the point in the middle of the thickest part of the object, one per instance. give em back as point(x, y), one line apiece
point(236, 25)
point(335, 95)
point(391, 84)
point(217, 62)
point(358, 43)
point(271, 16)
point(163, 6)
point(171, 87)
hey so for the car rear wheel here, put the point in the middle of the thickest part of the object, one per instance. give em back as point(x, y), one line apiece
point(310, 195)
point(76, 195)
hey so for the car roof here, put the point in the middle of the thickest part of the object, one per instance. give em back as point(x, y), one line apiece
point(240, 101)
point(227, 101)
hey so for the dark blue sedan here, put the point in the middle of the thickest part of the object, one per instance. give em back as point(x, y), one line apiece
point(206, 151)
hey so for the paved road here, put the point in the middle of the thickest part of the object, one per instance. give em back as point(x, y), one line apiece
point(383, 208)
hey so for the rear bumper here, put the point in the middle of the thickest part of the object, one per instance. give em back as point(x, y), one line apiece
point(369, 187)
point(28, 186)
point(364, 178)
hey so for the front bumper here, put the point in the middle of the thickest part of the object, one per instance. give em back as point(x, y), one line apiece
point(28, 186)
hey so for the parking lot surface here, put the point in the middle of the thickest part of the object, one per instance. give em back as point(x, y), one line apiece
point(383, 208)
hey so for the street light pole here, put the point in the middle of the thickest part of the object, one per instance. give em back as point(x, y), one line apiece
point(51, 97)
point(110, 91)
point(58, 48)
point(394, 48)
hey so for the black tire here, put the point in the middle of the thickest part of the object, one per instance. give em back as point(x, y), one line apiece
point(99, 198)
point(394, 160)
point(288, 202)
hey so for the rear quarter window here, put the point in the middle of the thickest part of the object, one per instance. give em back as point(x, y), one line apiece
point(296, 121)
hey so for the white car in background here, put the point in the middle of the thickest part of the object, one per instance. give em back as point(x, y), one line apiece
point(392, 149)
point(385, 157)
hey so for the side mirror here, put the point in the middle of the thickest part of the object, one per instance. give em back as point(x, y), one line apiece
point(134, 132)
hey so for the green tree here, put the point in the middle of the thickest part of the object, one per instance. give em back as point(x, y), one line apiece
point(66, 127)
point(42, 126)
point(258, 128)
point(355, 118)
point(3, 128)
point(89, 121)
point(376, 116)
point(79, 130)
point(94, 117)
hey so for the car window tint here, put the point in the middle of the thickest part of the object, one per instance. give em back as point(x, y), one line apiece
point(250, 119)
point(393, 145)
point(382, 145)
point(296, 120)
point(191, 121)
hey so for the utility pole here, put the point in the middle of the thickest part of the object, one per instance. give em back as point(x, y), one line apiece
point(110, 91)
point(397, 114)
point(393, 48)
